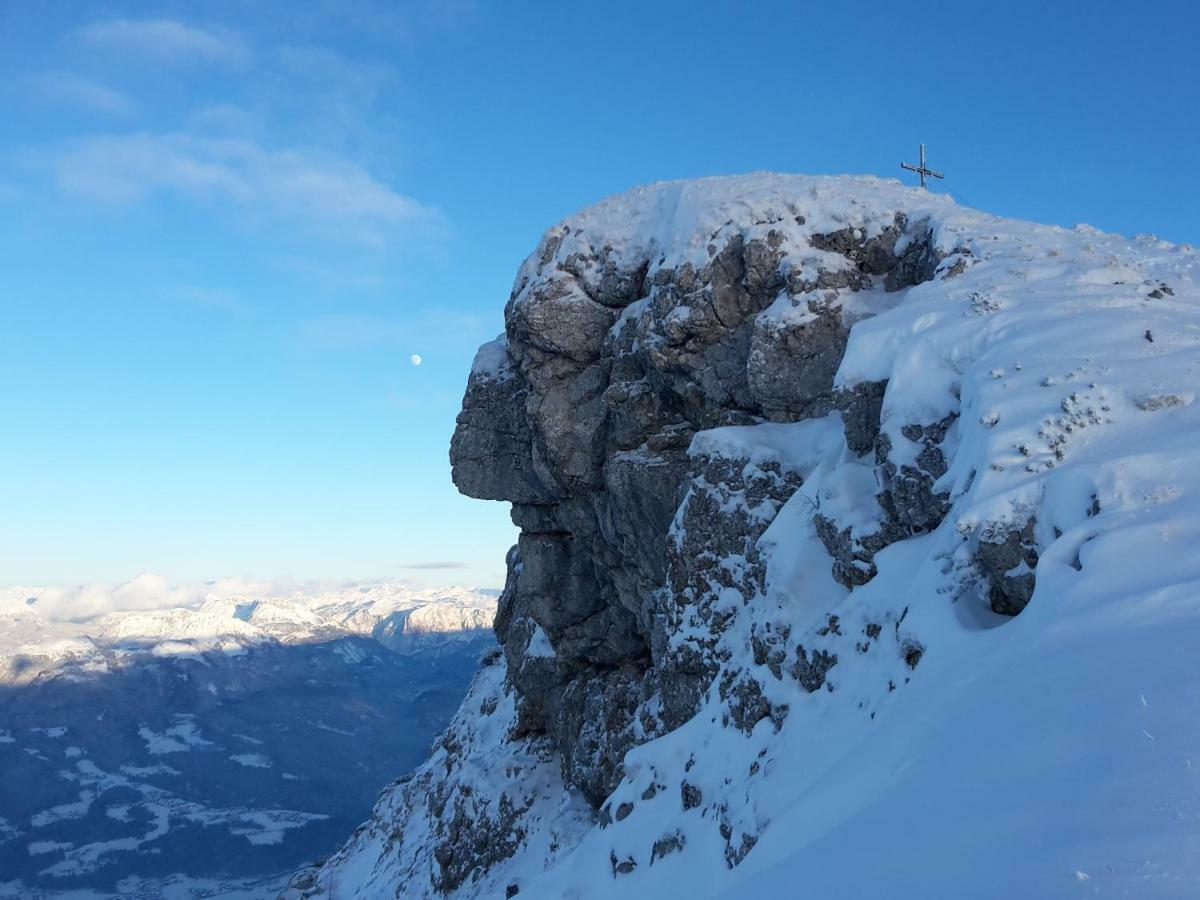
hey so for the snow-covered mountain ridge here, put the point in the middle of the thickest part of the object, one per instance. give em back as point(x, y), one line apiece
point(857, 552)
point(396, 616)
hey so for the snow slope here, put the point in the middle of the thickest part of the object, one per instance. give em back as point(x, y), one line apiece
point(923, 744)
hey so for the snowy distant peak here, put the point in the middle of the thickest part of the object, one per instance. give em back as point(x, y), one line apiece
point(394, 615)
point(397, 616)
point(176, 624)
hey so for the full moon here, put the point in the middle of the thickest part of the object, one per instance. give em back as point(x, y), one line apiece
point(416, 359)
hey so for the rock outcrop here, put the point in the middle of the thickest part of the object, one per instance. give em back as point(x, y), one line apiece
point(582, 414)
point(715, 406)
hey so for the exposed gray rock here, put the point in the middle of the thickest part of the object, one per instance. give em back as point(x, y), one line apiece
point(1008, 560)
point(491, 451)
point(623, 866)
point(596, 726)
point(665, 846)
point(1155, 402)
point(791, 363)
point(908, 503)
point(854, 556)
point(916, 262)
point(690, 795)
point(860, 407)
point(909, 496)
point(811, 668)
point(728, 506)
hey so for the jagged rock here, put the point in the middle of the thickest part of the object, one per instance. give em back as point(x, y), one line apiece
point(690, 795)
point(810, 669)
point(623, 867)
point(915, 262)
point(860, 407)
point(728, 506)
point(1009, 559)
point(793, 359)
point(490, 450)
point(595, 725)
point(735, 853)
point(854, 556)
point(908, 495)
point(665, 846)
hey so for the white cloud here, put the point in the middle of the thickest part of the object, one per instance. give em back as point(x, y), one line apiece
point(211, 297)
point(144, 592)
point(65, 87)
point(165, 40)
point(224, 118)
point(320, 195)
point(425, 327)
point(353, 332)
point(10, 191)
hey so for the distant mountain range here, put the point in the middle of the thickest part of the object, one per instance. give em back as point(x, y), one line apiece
point(203, 751)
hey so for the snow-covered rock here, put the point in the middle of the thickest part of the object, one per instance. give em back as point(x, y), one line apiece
point(857, 552)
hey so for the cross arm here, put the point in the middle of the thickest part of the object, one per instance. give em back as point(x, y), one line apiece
point(921, 171)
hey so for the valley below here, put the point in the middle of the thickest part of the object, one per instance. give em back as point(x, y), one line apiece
point(209, 752)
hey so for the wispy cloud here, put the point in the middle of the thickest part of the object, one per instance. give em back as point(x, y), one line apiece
point(166, 40)
point(145, 591)
point(65, 87)
point(224, 118)
point(428, 327)
point(210, 297)
point(10, 191)
point(321, 195)
point(353, 332)
point(433, 565)
point(151, 591)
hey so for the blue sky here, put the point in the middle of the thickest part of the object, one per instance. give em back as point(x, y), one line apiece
point(226, 227)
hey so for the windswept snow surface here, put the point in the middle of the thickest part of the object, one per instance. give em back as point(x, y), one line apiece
point(1051, 755)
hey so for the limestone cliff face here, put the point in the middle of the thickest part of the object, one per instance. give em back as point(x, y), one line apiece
point(582, 415)
point(714, 405)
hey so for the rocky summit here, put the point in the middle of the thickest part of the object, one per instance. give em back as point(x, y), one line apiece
point(856, 536)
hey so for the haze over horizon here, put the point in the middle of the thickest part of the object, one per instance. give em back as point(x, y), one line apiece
point(230, 235)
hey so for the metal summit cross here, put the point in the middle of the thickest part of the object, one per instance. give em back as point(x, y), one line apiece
point(921, 169)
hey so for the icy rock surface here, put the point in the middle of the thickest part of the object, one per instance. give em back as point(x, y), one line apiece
point(796, 461)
